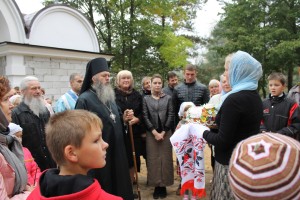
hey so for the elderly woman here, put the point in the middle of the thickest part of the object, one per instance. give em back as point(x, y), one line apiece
point(130, 101)
point(12, 166)
point(158, 115)
point(238, 118)
point(214, 87)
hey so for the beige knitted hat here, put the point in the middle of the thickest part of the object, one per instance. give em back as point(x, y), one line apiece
point(266, 166)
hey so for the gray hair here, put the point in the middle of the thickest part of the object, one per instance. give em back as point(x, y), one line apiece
point(24, 82)
point(145, 78)
point(73, 75)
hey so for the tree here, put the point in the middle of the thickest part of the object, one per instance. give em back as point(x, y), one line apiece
point(142, 34)
point(267, 29)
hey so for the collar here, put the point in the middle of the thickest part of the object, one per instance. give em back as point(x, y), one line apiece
point(277, 99)
point(74, 92)
point(192, 83)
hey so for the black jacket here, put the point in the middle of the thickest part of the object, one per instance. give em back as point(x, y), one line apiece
point(158, 112)
point(114, 176)
point(238, 118)
point(281, 115)
point(170, 91)
point(34, 134)
point(194, 92)
point(134, 101)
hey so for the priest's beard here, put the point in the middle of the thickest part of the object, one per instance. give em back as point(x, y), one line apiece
point(105, 92)
point(36, 104)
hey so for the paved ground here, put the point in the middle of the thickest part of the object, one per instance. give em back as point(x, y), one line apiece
point(147, 191)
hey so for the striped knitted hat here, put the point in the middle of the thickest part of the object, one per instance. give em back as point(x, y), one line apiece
point(266, 166)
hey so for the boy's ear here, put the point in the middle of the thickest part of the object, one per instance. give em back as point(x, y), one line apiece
point(70, 153)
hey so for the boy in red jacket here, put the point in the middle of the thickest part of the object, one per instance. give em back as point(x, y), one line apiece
point(74, 139)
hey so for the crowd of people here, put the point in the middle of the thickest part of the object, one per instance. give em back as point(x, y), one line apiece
point(81, 148)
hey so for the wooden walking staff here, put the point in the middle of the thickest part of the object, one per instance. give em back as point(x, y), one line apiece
point(134, 161)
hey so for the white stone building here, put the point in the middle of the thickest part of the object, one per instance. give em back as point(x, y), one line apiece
point(50, 44)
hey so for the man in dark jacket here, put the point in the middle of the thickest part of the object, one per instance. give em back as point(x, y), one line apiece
point(32, 115)
point(97, 96)
point(169, 90)
point(190, 90)
point(172, 82)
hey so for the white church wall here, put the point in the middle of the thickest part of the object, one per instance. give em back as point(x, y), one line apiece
point(53, 73)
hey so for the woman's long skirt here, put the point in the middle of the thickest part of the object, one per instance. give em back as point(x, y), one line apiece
point(159, 161)
point(220, 185)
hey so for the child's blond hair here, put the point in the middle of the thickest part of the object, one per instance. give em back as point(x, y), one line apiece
point(69, 128)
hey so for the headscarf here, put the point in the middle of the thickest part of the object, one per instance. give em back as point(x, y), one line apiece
point(14, 128)
point(93, 67)
point(13, 98)
point(11, 149)
point(3, 122)
point(244, 72)
point(182, 107)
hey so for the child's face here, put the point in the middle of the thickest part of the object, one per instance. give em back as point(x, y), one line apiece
point(92, 152)
point(19, 135)
point(276, 87)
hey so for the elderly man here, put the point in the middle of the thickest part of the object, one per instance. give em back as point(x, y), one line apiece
point(98, 97)
point(68, 100)
point(32, 115)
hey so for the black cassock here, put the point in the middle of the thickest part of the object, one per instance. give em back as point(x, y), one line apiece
point(114, 177)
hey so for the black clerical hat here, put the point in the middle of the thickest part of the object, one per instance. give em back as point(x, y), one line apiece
point(93, 67)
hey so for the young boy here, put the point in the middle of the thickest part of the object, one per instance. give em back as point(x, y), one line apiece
point(74, 139)
point(280, 114)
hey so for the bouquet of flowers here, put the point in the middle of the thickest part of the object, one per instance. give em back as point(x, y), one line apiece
point(205, 115)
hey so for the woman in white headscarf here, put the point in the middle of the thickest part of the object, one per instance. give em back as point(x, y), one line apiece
point(238, 118)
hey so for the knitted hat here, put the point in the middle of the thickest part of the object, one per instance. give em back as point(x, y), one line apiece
point(266, 166)
point(14, 128)
point(93, 67)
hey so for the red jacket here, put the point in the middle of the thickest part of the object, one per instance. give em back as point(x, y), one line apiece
point(93, 192)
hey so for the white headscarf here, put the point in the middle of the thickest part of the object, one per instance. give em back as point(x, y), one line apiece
point(182, 106)
point(14, 128)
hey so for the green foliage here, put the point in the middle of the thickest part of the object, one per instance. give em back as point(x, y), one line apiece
point(174, 49)
point(267, 29)
point(141, 33)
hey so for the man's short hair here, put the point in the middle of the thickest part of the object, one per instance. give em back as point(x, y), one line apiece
point(171, 74)
point(72, 76)
point(277, 76)
point(190, 67)
point(24, 82)
point(69, 128)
